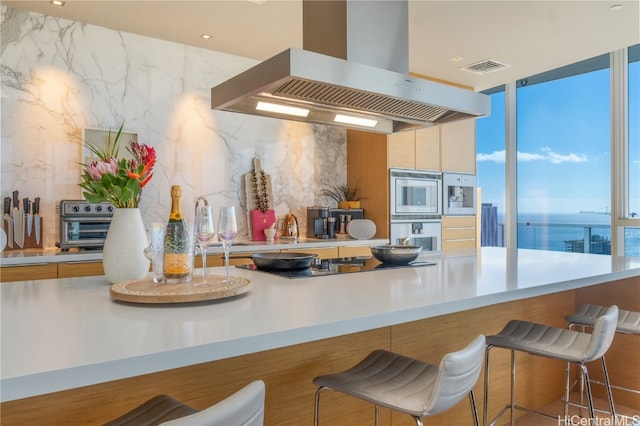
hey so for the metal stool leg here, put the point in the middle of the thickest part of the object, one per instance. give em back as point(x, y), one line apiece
point(377, 414)
point(580, 377)
point(513, 386)
point(474, 409)
point(567, 385)
point(485, 405)
point(585, 373)
point(316, 411)
point(609, 392)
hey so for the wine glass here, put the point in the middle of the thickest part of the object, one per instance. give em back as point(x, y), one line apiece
point(204, 233)
point(227, 231)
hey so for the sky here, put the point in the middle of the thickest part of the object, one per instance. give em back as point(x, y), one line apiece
point(563, 134)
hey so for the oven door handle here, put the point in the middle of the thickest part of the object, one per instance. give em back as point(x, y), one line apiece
point(85, 219)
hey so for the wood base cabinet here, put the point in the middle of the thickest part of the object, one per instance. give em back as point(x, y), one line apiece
point(458, 232)
point(29, 272)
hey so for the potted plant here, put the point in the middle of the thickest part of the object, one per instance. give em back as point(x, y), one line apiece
point(346, 196)
point(119, 181)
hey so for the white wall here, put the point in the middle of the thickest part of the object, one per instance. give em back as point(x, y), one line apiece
point(60, 77)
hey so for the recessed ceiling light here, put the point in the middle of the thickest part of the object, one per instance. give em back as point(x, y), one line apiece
point(57, 2)
point(205, 36)
point(615, 7)
point(456, 59)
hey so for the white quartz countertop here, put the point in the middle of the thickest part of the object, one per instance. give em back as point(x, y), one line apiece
point(53, 255)
point(66, 333)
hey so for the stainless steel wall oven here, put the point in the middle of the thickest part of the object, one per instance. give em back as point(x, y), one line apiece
point(415, 208)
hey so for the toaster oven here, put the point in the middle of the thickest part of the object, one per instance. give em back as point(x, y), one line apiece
point(83, 225)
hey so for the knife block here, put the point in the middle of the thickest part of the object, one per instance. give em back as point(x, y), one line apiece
point(29, 240)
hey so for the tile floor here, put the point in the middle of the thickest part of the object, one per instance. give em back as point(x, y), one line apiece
point(632, 419)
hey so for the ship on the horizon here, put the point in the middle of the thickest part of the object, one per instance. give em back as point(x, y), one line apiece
point(603, 210)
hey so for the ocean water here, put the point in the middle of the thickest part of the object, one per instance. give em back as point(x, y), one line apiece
point(568, 232)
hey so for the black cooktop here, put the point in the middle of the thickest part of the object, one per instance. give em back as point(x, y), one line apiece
point(336, 266)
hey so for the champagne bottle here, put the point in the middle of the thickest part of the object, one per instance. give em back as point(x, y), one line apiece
point(177, 256)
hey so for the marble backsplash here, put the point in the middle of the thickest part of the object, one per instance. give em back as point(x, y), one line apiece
point(60, 77)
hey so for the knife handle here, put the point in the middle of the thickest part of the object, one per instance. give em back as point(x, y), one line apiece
point(7, 205)
point(36, 206)
point(26, 205)
point(16, 200)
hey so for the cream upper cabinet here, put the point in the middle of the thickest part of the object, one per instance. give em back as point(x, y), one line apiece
point(458, 146)
point(428, 148)
point(401, 149)
point(418, 149)
point(448, 147)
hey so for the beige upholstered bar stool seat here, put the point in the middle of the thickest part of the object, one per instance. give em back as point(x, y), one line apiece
point(556, 343)
point(587, 315)
point(628, 323)
point(243, 408)
point(408, 385)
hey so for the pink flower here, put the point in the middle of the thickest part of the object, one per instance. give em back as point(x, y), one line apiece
point(97, 168)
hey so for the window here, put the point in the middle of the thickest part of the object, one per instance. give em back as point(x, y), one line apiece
point(634, 131)
point(632, 233)
point(490, 168)
point(564, 162)
point(564, 154)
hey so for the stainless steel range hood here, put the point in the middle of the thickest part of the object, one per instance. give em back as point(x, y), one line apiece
point(369, 89)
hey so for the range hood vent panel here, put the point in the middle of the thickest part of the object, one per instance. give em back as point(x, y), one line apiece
point(344, 97)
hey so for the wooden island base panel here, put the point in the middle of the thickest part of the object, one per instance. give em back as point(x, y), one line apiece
point(288, 371)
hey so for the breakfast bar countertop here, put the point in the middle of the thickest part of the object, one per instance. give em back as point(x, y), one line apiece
point(66, 333)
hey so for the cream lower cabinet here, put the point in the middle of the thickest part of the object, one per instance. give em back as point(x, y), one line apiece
point(458, 232)
point(321, 252)
point(353, 251)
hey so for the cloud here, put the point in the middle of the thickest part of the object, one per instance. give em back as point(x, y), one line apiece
point(527, 156)
point(556, 158)
point(495, 156)
point(547, 155)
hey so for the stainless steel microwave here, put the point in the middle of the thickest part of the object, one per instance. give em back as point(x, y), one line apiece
point(415, 194)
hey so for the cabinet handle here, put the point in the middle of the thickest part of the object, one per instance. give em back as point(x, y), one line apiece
point(25, 264)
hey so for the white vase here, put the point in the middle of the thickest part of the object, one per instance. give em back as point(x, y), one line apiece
point(123, 256)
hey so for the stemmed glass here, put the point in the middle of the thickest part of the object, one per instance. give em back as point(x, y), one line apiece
point(227, 231)
point(204, 231)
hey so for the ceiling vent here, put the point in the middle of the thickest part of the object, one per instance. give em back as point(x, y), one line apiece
point(485, 67)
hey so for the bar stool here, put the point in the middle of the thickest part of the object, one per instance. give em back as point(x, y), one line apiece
point(586, 316)
point(243, 408)
point(556, 343)
point(407, 385)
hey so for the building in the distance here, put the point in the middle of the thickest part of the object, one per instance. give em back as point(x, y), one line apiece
point(489, 229)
